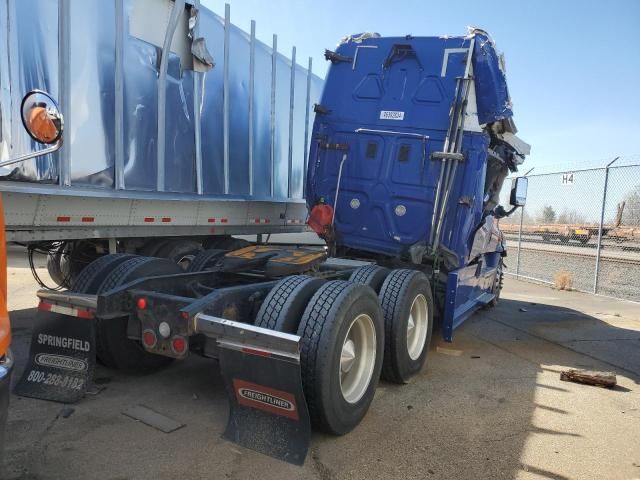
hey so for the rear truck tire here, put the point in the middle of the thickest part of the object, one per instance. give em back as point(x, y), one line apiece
point(284, 305)
point(407, 305)
point(205, 259)
point(371, 275)
point(92, 276)
point(342, 333)
point(114, 348)
point(181, 252)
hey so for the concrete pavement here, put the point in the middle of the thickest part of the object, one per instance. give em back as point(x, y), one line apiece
point(489, 405)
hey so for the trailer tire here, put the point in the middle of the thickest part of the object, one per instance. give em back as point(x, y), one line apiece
point(92, 276)
point(114, 348)
point(286, 302)
point(407, 304)
point(54, 267)
point(371, 275)
point(181, 252)
point(226, 242)
point(152, 247)
point(337, 403)
point(204, 259)
point(68, 260)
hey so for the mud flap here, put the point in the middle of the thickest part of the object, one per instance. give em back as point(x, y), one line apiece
point(61, 359)
point(268, 412)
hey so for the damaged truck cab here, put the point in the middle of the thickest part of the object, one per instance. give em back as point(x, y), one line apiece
point(411, 144)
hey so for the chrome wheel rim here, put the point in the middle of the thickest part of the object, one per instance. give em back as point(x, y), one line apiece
point(417, 326)
point(357, 358)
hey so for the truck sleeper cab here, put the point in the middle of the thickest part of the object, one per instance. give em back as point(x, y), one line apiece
point(410, 153)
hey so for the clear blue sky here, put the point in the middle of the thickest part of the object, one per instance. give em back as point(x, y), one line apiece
point(573, 67)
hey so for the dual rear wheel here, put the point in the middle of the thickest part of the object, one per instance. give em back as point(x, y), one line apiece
point(352, 332)
point(114, 348)
point(379, 322)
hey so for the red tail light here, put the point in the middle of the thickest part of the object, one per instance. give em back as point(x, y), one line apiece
point(149, 338)
point(179, 345)
point(141, 303)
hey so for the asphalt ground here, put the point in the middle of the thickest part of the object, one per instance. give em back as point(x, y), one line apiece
point(488, 405)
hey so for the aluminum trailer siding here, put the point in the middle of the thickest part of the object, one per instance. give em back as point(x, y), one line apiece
point(227, 157)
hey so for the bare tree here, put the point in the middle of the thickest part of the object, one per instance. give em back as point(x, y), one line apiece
point(571, 217)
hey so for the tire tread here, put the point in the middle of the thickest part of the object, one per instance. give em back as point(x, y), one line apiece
point(100, 265)
point(275, 303)
point(201, 259)
point(372, 275)
point(393, 293)
point(310, 330)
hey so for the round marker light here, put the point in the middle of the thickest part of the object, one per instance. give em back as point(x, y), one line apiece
point(164, 329)
point(179, 345)
point(141, 303)
point(400, 210)
point(149, 339)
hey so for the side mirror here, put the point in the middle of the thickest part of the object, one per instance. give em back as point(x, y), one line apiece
point(519, 191)
point(41, 117)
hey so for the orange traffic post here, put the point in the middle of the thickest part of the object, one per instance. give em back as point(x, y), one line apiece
point(5, 328)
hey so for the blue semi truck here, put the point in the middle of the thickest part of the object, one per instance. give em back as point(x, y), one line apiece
point(412, 141)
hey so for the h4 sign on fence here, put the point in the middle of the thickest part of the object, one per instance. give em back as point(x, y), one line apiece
point(567, 179)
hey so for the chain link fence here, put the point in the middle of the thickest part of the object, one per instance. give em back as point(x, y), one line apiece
point(579, 230)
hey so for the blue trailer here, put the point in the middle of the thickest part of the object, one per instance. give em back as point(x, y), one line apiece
point(412, 140)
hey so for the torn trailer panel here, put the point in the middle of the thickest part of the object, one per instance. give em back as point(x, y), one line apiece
point(116, 67)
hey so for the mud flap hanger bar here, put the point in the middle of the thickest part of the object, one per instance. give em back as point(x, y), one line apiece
point(68, 304)
point(261, 371)
point(259, 340)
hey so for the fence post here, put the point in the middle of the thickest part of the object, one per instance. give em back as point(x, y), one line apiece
point(519, 243)
point(520, 231)
point(604, 204)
